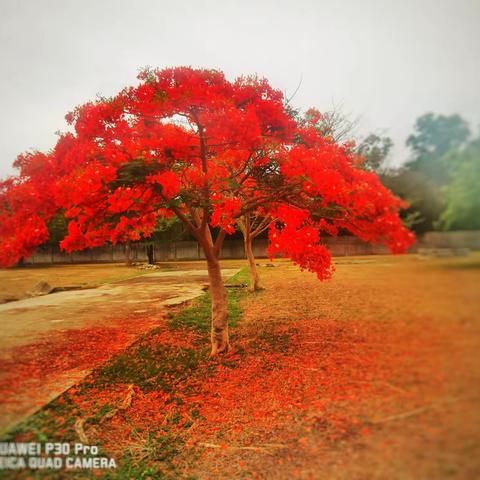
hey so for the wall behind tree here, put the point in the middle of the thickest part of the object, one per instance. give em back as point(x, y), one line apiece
point(234, 249)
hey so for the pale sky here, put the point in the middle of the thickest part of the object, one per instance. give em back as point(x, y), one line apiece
point(384, 61)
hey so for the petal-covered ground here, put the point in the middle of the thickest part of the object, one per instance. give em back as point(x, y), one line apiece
point(48, 343)
point(374, 374)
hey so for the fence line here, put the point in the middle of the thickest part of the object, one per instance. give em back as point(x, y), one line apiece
point(233, 248)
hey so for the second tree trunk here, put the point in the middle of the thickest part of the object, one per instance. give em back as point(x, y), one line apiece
point(255, 279)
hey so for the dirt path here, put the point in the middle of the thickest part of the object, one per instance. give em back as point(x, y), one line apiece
point(15, 283)
point(48, 343)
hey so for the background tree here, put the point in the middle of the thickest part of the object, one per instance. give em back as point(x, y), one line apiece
point(437, 134)
point(424, 197)
point(375, 150)
point(462, 194)
point(433, 137)
point(333, 124)
point(336, 125)
point(422, 180)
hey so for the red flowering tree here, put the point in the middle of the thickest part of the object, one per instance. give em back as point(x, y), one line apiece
point(188, 143)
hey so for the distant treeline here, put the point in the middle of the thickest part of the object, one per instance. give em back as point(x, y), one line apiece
point(441, 179)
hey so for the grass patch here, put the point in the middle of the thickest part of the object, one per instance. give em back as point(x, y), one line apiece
point(151, 367)
point(197, 315)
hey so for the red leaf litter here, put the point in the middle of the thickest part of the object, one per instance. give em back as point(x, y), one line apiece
point(41, 370)
point(321, 380)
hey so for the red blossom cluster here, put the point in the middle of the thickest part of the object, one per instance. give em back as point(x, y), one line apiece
point(335, 195)
point(24, 206)
point(190, 143)
point(296, 235)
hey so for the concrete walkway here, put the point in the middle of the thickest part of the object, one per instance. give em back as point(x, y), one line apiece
point(49, 343)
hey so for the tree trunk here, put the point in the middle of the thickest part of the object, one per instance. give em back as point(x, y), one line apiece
point(150, 254)
point(219, 335)
point(254, 278)
point(128, 253)
point(218, 293)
